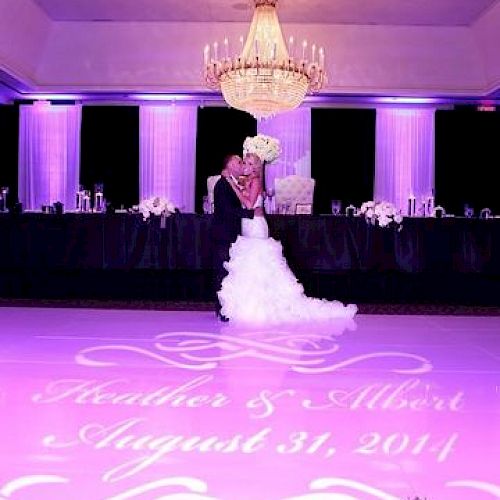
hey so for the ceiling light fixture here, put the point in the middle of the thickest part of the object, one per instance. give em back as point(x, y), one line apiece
point(267, 77)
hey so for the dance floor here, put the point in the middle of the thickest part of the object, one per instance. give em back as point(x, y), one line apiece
point(119, 404)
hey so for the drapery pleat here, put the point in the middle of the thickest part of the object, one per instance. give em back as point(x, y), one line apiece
point(49, 155)
point(404, 158)
point(168, 154)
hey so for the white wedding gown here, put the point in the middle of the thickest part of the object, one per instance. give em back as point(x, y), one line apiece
point(260, 288)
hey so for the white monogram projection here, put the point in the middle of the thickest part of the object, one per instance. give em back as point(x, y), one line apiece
point(201, 412)
point(304, 353)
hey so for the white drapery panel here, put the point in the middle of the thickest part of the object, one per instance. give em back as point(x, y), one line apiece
point(293, 129)
point(49, 155)
point(168, 154)
point(404, 158)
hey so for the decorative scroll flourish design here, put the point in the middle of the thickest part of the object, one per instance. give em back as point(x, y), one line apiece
point(10, 489)
point(328, 488)
point(318, 491)
point(493, 489)
point(196, 489)
point(347, 489)
point(198, 351)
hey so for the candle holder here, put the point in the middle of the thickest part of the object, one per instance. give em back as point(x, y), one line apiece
point(47, 209)
point(351, 211)
point(79, 199)
point(4, 191)
point(412, 206)
point(58, 208)
point(422, 211)
point(430, 206)
point(486, 213)
point(99, 203)
point(86, 201)
point(439, 212)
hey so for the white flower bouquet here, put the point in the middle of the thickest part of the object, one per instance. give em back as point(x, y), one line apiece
point(383, 213)
point(265, 147)
point(156, 206)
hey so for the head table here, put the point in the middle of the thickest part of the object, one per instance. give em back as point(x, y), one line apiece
point(117, 256)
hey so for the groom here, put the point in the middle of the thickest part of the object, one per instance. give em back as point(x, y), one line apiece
point(226, 224)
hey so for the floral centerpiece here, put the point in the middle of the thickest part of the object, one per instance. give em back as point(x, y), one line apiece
point(265, 147)
point(156, 206)
point(383, 213)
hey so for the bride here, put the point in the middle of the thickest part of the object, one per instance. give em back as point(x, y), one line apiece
point(260, 288)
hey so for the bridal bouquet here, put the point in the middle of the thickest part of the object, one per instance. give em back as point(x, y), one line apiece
point(383, 213)
point(265, 147)
point(156, 206)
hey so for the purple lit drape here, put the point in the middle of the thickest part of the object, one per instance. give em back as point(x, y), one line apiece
point(49, 155)
point(168, 153)
point(293, 129)
point(404, 163)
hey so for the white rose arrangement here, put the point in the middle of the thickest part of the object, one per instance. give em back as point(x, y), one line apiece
point(265, 147)
point(156, 206)
point(382, 212)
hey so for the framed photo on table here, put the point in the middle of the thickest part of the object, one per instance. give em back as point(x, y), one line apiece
point(303, 209)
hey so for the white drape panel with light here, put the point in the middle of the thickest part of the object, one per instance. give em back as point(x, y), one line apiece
point(293, 129)
point(49, 155)
point(404, 157)
point(168, 154)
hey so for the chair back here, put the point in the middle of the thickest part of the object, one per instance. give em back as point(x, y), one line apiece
point(293, 190)
point(211, 182)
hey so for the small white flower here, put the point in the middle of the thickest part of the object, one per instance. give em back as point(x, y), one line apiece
point(384, 221)
point(365, 206)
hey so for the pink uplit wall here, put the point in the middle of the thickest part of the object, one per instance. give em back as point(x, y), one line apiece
point(49, 154)
point(487, 32)
point(168, 57)
point(404, 156)
point(24, 29)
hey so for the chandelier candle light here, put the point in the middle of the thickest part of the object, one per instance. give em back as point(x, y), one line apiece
point(267, 77)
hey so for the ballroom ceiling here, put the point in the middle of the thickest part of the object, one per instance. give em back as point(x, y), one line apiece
point(383, 12)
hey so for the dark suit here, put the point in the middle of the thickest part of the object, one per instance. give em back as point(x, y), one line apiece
point(226, 226)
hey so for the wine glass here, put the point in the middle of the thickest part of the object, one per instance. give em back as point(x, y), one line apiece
point(206, 205)
point(485, 213)
point(3, 198)
point(336, 207)
point(468, 211)
point(270, 192)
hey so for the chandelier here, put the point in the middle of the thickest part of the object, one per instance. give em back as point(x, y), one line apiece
point(267, 77)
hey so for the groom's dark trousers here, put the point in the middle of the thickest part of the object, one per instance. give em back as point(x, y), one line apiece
point(226, 226)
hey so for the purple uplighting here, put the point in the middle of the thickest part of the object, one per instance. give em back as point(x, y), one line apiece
point(168, 154)
point(293, 130)
point(404, 164)
point(49, 154)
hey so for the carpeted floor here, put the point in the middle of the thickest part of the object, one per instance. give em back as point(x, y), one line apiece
point(389, 309)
